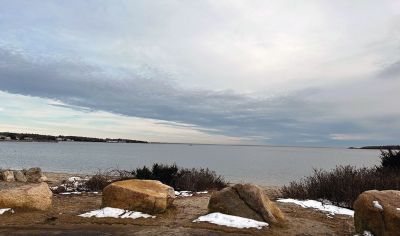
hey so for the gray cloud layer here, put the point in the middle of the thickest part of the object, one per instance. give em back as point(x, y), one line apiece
point(314, 116)
point(319, 72)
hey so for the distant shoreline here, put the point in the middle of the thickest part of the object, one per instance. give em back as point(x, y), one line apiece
point(386, 147)
point(26, 137)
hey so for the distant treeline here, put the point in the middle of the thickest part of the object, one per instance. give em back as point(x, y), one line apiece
point(385, 147)
point(51, 138)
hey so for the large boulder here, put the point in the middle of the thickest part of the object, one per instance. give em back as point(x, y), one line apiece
point(149, 196)
point(35, 175)
point(245, 200)
point(378, 212)
point(7, 175)
point(19, 176)
point(27, 197)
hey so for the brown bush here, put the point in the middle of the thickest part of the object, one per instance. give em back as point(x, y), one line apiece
point(182, 178)
point(198, 180)
point(343, 184)
point(172, 175)
point(98, 182)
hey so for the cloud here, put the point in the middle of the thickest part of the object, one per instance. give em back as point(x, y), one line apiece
point(38, 115)
point(264, 71)
point(274, 119)
point(354, 137)
point(392, 71)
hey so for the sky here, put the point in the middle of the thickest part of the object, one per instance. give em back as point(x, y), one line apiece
point(302, 73)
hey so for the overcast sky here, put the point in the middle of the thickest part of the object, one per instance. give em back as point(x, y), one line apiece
point(306, 73)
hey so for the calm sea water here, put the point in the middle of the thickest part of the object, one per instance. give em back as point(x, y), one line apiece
point(258, 164)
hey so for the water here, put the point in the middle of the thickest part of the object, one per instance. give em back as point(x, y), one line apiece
point(257, 164)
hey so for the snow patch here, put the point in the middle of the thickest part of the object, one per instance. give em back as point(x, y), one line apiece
point(74, 179)
point(69, 193)
point(377, 205)
point(202, 192)
point(183, 193)
point(188, 193)
point(4, 210)
point(367, 233)
point(331, 209)
point(115, 213)
point(231, 221)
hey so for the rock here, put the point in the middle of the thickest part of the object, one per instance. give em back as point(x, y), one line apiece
point(35, 175)
point(378, 212)
point(27, 197)
point(19, 176)
point(148, 196)
point(7, 175)
point(245, 200)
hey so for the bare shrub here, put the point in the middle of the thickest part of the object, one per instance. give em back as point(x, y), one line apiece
point(98, 182)
point(390, 159)
point(181, 178)
point(199, 180)
point(172, 175)
point(343, 184)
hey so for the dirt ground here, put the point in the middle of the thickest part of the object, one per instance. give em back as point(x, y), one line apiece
point(63, 219)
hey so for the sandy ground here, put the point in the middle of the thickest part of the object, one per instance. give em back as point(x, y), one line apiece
point(63, 219)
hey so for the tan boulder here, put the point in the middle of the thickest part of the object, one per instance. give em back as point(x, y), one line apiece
point(35, 175)
point(7, 175)
point(245, 200)
point(27, 197)
point(19, 176)
point(149, 196)
point(378, 212)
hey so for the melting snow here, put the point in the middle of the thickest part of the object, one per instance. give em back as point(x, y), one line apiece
point(367, 233)
point(74, 179)
point(69, 193)
point(377, 205)
point(188, 193)
point(202, 192)
point(331, 209)
point(183, 193)
point(231, 221)
point(115, 213)
point(4, 210)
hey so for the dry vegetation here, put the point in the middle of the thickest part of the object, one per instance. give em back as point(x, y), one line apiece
point(172, 175)
point(343, 184)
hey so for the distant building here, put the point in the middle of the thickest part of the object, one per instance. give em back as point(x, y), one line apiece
point(28, 139)
point(5, 138)
point(58, 139)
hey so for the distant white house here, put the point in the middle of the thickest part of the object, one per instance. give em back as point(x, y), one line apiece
point(6, 138)
point(58, 139)
point(28, 139)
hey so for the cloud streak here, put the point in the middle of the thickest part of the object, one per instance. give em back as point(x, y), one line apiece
point(276, 119)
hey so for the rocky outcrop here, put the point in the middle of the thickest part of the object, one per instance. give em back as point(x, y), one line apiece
point(245, 200)
point(7, 175)
point(35, 175)
point(149, 196)
point(27, 197)
point(378, 212)
point(19, 176)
